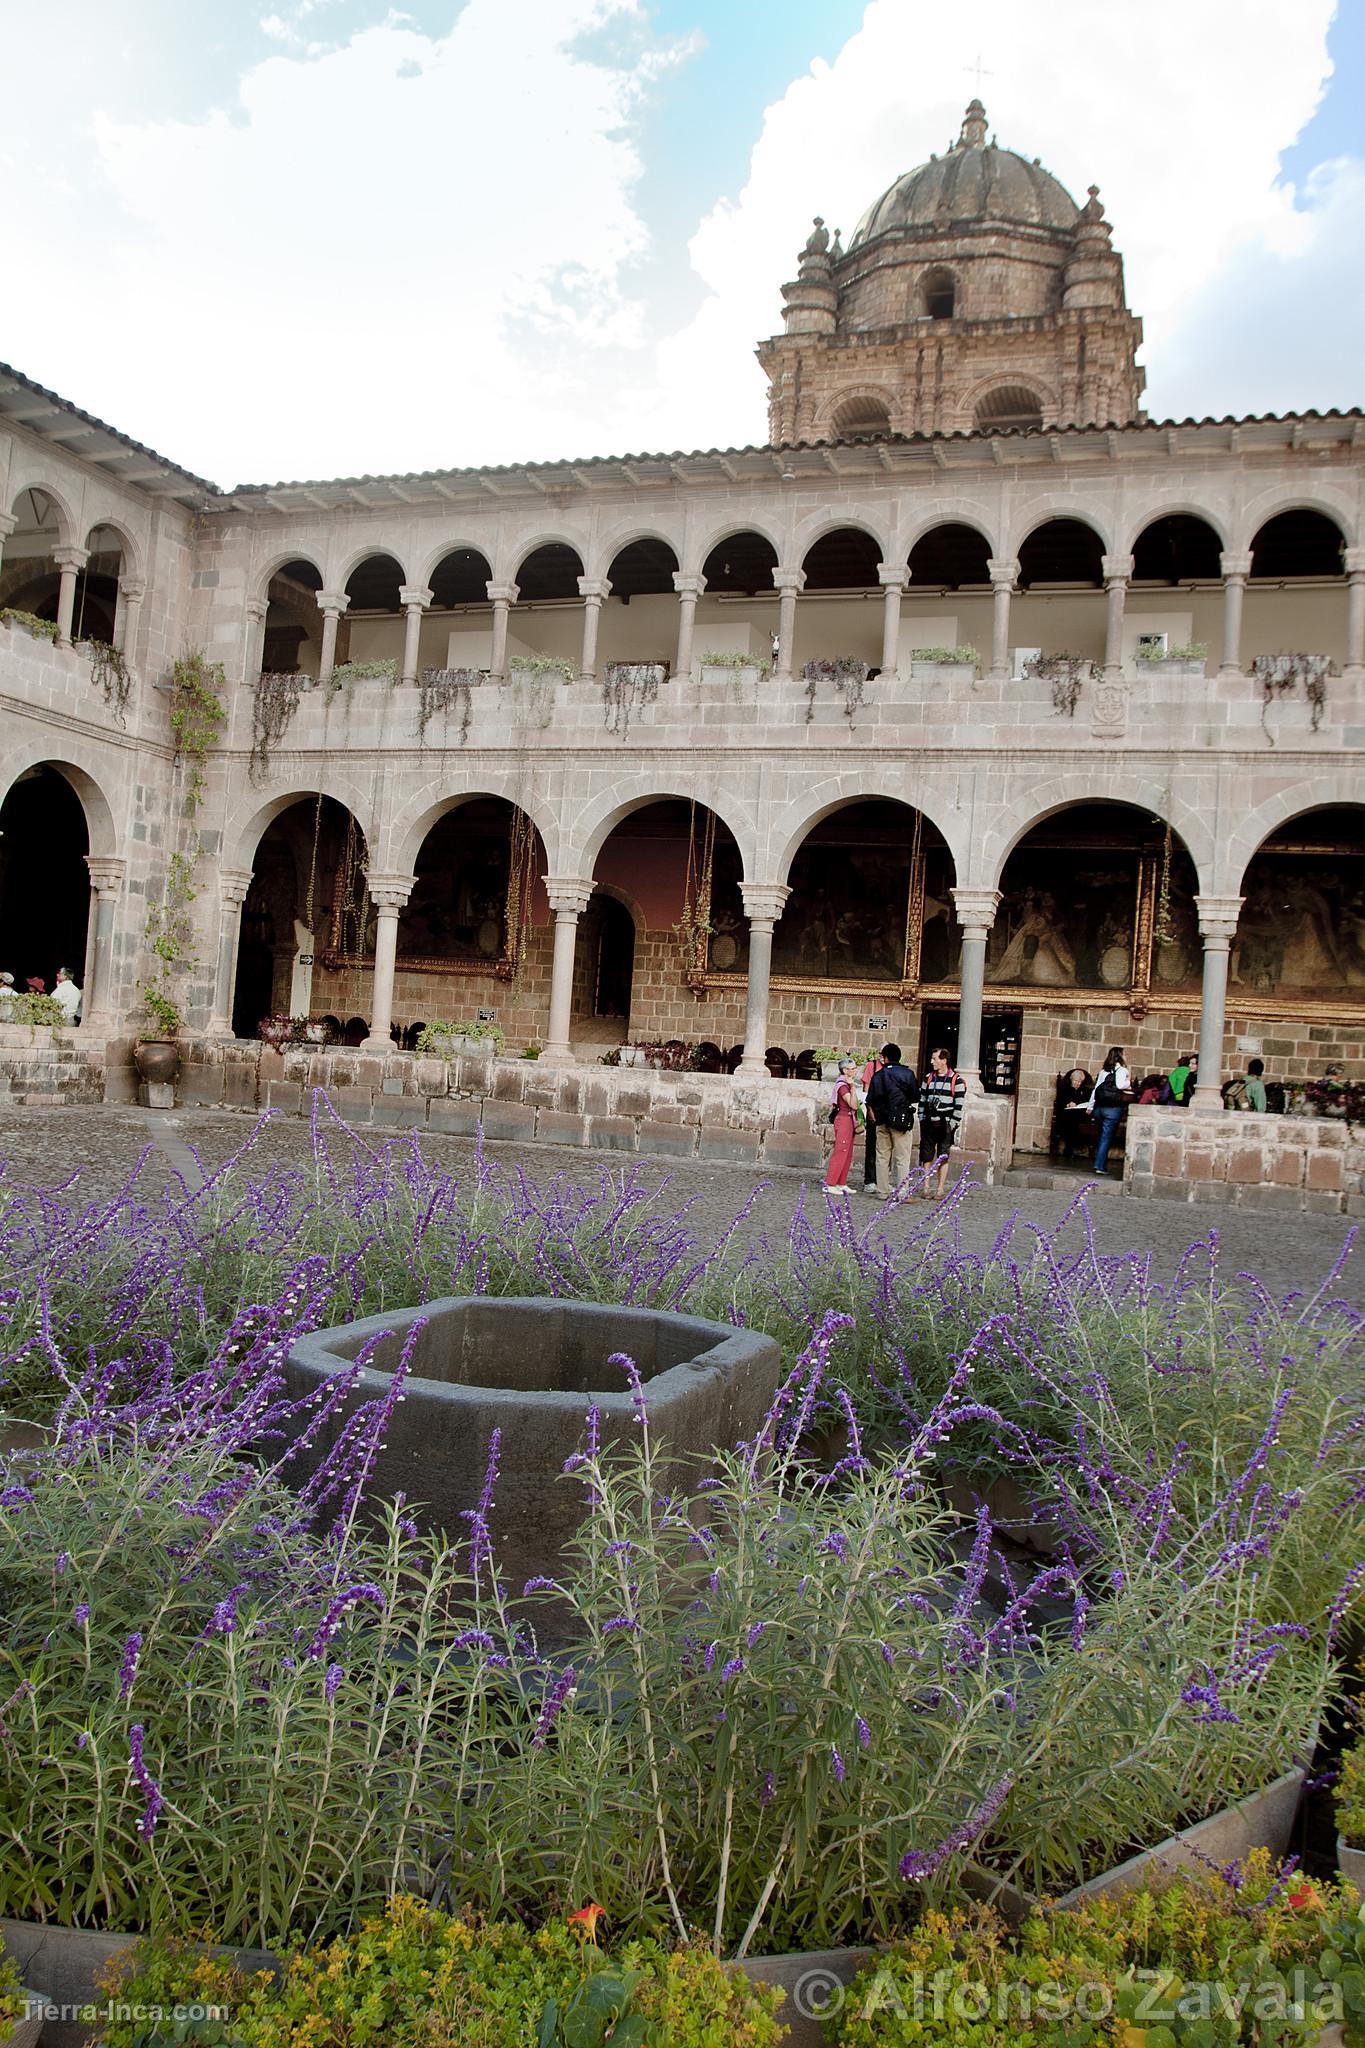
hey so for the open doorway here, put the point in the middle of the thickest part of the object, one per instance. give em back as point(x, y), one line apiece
point(1001, 1032)
point(614, 970)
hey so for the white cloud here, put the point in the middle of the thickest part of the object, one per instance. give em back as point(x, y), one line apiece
point(403, 251)
point(1177, 111)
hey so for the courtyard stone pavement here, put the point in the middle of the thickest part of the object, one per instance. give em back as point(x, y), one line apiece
point(101, 1146)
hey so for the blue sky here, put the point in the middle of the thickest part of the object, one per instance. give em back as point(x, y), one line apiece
point(310, 237)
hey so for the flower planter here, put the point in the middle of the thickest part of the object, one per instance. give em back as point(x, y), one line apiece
point(632, 1056)
point(59, 1965)
point(814, 1985)
point(829, 1070)
point(1351, 1864)
point(158, 1062)
point(1263, 1820)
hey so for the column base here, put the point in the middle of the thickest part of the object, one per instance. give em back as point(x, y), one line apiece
point(752, 1070)
point(563, 1054)
point(971, 1077)
point(379, 1045)
point(1207, 1099)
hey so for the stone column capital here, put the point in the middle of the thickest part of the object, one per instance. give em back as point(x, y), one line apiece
point(389, 892)
point(789, 579)
point(503, 593)
point(893, 575)
point(1003, 571)
point(335, 601)
point(568, 893)
point(976, 908)
point(71, 558)
point(256, 609)
point(131, 589)
point(592, 589)
point(1353, 561)
point(1218, 916)
point(1117, 568)
point(687, 585)
point(106, 873)
point(413, 597)
point(1235, 568)
point(764, 902)
point(233, 884)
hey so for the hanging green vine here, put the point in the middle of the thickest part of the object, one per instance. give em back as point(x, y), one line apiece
point(275, 699)
point(110, 673)
point(197, 713)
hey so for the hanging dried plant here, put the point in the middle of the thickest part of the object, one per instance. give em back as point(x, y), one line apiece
point(443, 690)
point(275, 699)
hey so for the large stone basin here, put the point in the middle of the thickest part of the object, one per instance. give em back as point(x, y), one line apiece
point(532, 1368)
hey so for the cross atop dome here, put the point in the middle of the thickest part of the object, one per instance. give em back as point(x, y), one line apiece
point(974, 127)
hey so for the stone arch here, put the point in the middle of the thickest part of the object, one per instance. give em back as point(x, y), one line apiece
point(1319, 793)
point(822, 524)
point(937, 293)
point(1172, 508)
point(358, 556)
point(548, 537)
point(1009, 408)
point(1192, 824)
point(99, 813)
point(861, 409)
point(729, 529)
point(628, 903)
point(1333, 503)
point(577, 847)
point(1037, 512)
point(435, 556)
point(281, 560)
point(239, 847)
point(67, 524)
point(130, 552)
point(986, 388)
point(614, 543)
point(427, 805)
point(790, 826)
point(945, 512)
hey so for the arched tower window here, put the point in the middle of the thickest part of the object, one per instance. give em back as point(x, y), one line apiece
point(862, 415)
point(1012, 405)
point(938, 294)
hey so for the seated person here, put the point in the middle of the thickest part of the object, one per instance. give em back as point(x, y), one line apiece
point(1150, 1089)
point(1073, 1128)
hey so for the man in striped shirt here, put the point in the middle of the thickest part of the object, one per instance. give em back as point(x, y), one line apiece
point(943, 1097)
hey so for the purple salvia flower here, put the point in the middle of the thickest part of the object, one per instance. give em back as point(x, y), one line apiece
point(128, 1669)
point(918, 1866)
point(864, 1732)
point(836, 1764)
point(81, 1614)
point(756, 1629)
point(731, 1670)
point(335, 1674)
point(554, 1700)
point(146, 1783)
point(767, 1790)
point(224, 1617)
point(331, 1620)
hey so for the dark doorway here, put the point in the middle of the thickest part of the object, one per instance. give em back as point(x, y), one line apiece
point(254, 994)
point(1001, 1034)
point(615, 960)
point(44, 882)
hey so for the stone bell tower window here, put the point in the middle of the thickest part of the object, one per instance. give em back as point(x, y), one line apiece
point(1011, 405)
point(938, 294)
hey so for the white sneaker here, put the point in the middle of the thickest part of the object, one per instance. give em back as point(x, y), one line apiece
point(876, 1193)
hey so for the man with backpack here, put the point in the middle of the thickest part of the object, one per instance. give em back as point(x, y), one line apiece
point(891, 1098)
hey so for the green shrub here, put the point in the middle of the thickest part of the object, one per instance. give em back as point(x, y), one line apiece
point(1350, 1796)
point(12, 2001)
point(33, 1009)
point(418, 1978)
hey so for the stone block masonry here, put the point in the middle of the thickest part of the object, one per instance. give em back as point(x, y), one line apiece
point(1276, 1163)
point(779, 1124)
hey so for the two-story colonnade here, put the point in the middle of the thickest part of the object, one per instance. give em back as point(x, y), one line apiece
point(973, 705)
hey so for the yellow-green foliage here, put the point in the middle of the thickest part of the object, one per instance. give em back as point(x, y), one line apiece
point(418, 1978)
point(1351, 1796)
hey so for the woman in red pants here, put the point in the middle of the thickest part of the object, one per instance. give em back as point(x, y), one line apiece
point(845, 1111)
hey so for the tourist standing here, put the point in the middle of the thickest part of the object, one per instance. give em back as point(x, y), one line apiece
point(891, 1099)
point(942, 1101)
point(1109, 1102)
point(872, 1068)
point(1255, 1086)
point(844, 1116)
point(68, 995)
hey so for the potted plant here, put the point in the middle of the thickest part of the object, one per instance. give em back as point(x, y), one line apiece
point(827, 1059)
point(156, 1054)
point(531, 1051)
point(1350, 1802)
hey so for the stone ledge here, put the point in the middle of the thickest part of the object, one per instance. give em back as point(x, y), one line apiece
point(1279, 1164)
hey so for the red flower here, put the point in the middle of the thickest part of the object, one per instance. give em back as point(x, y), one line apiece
point(586, 1919)
point(1305, 1896)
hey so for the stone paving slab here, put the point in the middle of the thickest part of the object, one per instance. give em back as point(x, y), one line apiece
point(102, 1144)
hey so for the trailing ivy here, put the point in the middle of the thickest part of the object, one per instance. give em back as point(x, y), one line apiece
point(275, 699)
point(627, 687)
point(543, 665)
point(1066, 675)
point(443, 690)
point(1280, 675)
point(848, 675)
point(363, 672)
point(110, 673)
point(41, 629)
point(197, 714)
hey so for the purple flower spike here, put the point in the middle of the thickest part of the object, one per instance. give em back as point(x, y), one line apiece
point(146, 1783)
point(335, 1674)
point(128, 1669)
point(331, 1620)
point(836, 1764)
point(917, 1866)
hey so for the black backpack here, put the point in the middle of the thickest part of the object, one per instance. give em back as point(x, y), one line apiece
point(1109, 1095)
point(892, 1098)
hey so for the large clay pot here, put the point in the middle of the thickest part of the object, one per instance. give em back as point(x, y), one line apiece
point(157, 1059)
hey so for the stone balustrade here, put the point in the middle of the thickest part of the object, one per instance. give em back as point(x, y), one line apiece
point(1283, 1163)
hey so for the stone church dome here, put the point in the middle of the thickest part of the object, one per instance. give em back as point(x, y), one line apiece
point(975, 181)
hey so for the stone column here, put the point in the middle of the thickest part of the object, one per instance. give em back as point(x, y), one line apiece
point(592, 593)
point(787, 583)
point(331, 603)
point(70, 562)
point(1117, 570)
point(569, 897)
point(130, 596)
point(8, 522)
point(893, 577)
point(976, 910)
point(1353, 561)
point(763, 903)
point(1003, 572)
point(1236, 569)
point(106, 883)
point(388, 893)
point(414, 602)
point(233, 884)
point(253, 648)
point(502, 596)
point(1218, 928)
point(689, 589)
